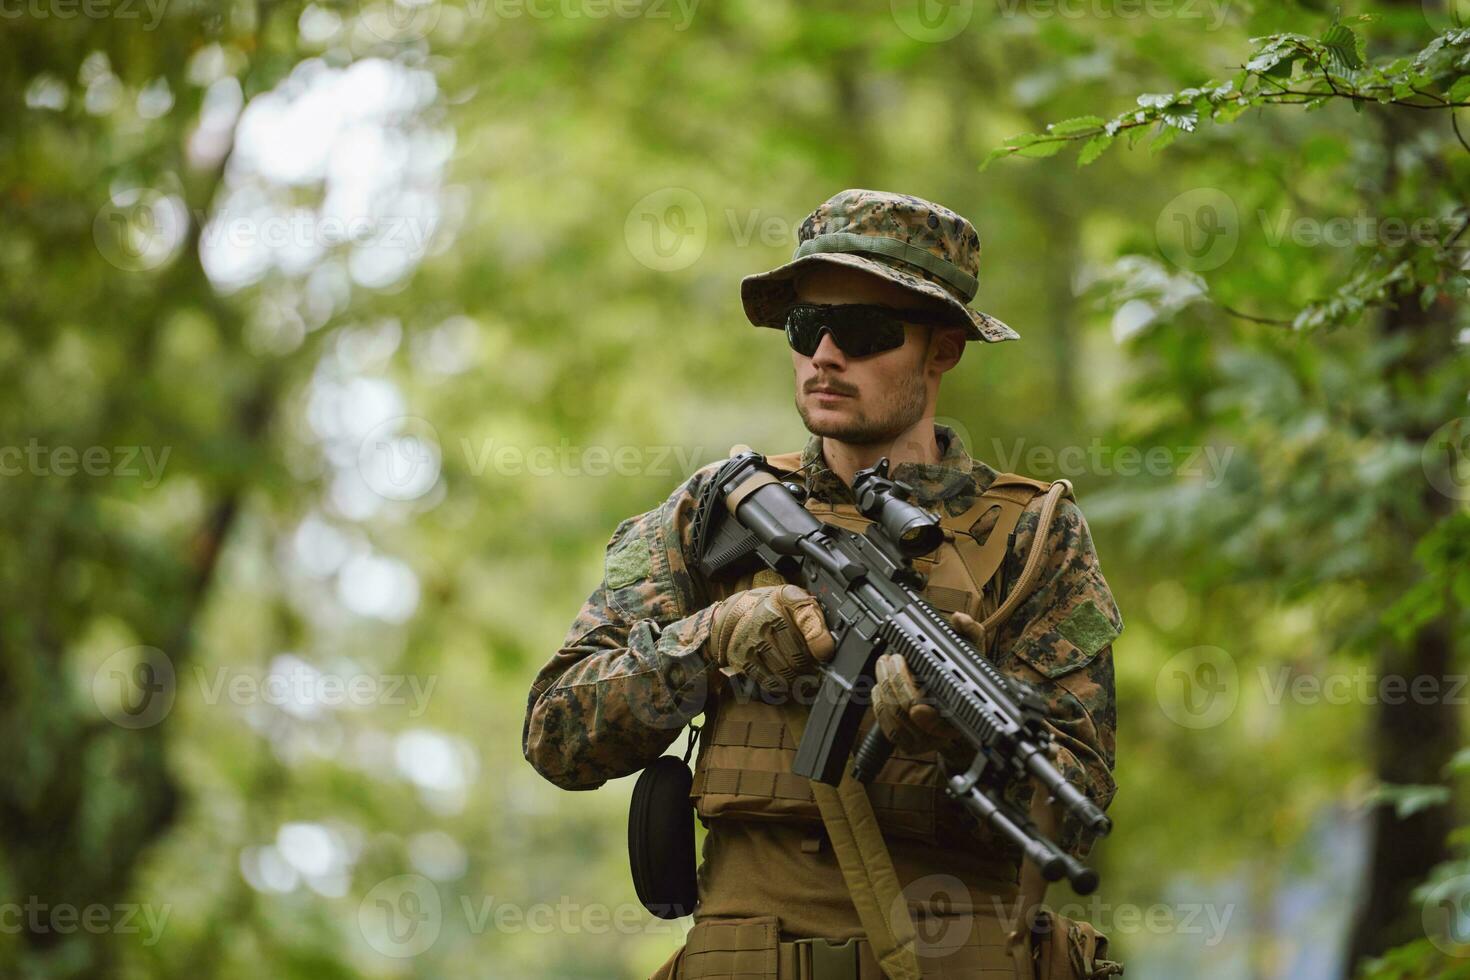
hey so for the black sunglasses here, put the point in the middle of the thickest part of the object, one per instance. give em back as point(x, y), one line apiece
point(858, 329)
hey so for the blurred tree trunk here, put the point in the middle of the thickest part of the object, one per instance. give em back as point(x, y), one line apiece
point(1412, 741)
point(854, 115)
point(1055, 261)
point(1056, 264)
point(84, 799)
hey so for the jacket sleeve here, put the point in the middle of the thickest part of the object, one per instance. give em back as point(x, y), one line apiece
point(1060, 640)
point(631, 672)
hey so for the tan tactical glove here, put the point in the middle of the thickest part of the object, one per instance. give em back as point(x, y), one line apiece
point(911, 723)
point(772, 634)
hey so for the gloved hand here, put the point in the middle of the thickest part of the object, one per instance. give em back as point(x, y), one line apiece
point(772, 634)
point(911, 723)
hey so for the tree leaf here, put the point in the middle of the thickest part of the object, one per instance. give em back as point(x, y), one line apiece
point(1409, 799)
point(1048, 148)
point(1229, 111)
point(1460, 762)
point(1079, 124)
point(1181, 120)
point(1167, 135)
point(1341, 45)
point(1094, 148)
point(998, 152)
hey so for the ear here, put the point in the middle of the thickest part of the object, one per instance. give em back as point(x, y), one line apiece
point(946, 347)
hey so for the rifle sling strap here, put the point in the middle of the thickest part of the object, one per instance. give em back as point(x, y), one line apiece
point(866, 865)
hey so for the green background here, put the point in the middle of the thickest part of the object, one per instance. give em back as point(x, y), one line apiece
point(280, 249)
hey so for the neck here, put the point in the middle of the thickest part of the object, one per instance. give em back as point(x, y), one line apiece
point(914, 445)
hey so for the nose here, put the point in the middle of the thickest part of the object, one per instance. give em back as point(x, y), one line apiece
point(828, 354)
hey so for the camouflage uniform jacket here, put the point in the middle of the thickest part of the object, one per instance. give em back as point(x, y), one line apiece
point(631, 672)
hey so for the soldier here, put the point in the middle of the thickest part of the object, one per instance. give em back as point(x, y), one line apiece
point(875, 308)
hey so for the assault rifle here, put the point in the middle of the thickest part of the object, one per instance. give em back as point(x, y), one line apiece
point(869, 593)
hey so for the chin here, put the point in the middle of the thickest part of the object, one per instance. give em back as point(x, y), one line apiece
point(830, 424)
point(821, 415)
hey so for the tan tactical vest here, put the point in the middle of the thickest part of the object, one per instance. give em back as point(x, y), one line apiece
point(745, 752)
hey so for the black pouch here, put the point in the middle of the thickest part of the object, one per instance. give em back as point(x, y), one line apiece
point(661, 838)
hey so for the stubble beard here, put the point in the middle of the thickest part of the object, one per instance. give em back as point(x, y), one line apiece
point(900, 412)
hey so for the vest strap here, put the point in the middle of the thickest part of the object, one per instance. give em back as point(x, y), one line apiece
point(1032, 568)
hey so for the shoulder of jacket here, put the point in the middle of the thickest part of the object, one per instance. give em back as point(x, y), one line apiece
point(1023, 489)
point(789, 462)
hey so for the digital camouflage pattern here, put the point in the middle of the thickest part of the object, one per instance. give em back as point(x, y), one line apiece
point(919, 224)
point(631, 672)
point(772, 634)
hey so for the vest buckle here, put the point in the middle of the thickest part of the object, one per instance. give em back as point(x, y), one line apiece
point(822, 959)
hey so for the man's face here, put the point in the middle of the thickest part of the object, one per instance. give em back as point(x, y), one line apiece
point(873, 399)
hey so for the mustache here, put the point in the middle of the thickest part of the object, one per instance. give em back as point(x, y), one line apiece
point(830, 385)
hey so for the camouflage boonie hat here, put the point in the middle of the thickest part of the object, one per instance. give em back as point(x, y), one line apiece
point(906, 240)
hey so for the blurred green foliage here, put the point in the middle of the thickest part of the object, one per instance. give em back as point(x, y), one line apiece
point(338, 338)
